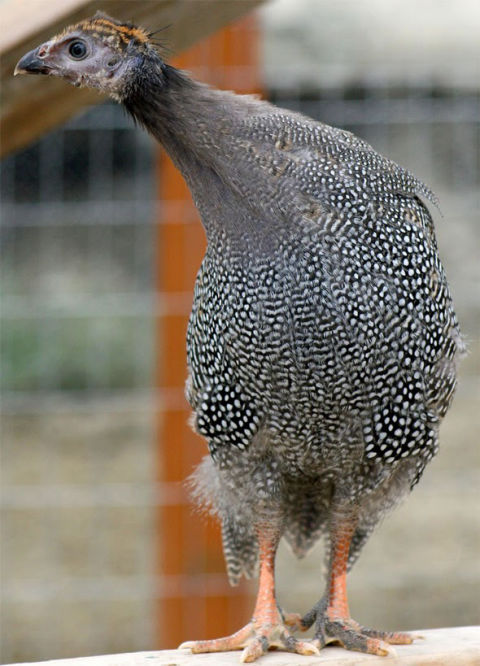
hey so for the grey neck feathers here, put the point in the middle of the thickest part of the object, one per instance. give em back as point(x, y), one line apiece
point(204, 131)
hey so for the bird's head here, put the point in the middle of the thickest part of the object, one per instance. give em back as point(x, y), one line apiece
point(99, 52)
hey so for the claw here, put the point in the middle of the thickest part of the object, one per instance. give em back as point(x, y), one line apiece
point(380, 648)
point(306, 648)
point(255, 649)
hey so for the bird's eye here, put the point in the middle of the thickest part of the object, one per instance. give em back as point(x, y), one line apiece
point(77, 50)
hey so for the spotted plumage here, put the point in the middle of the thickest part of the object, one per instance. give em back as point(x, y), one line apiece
point(334, 340)
point(322, 344)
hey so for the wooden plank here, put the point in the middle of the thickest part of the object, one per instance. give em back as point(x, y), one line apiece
point(20, 20)
point(457, 646)
point(34, 105)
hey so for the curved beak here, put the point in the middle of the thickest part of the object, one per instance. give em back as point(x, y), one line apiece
point(31, 64)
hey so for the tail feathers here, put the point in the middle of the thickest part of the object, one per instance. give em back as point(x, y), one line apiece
point(307, 516)
point(213, 494)
point(240, 549)
point(302, 535)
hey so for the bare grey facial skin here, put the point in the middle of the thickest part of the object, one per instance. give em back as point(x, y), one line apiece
point(83, 59)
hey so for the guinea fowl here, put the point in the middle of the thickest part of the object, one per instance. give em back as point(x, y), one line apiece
point(322, 343)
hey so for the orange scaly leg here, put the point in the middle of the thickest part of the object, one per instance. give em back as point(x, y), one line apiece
point(331, 615)
point(266, 628)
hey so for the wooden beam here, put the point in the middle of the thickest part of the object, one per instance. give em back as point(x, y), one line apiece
point(458, 646)
point(34, 105)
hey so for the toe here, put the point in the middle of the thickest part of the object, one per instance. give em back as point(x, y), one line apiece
point(234, 642)
point(308, 619)
point(391, 637)
point(254, 649)
point(217, 645)
point(303, 647)
point(378, 647)
point(293, 621)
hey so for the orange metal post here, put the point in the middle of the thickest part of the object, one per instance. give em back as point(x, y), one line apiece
point(195, 600)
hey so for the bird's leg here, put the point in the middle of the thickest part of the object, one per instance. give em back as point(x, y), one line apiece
point(332, 615)
point(266, 628)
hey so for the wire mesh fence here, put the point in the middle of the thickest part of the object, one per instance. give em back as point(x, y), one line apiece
point(77, 236)
point(78, 306)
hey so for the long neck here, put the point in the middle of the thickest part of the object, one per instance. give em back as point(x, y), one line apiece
point(203, 130)
point(175, 109)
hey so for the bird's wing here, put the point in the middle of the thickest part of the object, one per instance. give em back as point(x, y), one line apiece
point(322, 169)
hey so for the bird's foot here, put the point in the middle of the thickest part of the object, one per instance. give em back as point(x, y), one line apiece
point(330, 628)
point(255, 639)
